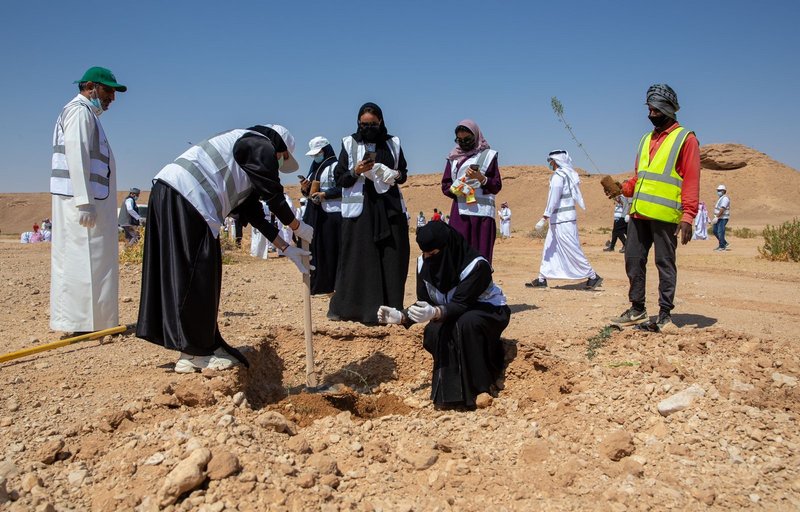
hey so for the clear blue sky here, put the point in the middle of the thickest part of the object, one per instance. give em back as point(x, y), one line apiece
point(197, 68)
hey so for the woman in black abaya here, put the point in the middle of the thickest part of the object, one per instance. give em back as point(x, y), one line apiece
point(466, 314)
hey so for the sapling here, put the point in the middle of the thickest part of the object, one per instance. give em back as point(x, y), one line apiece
point(558, 108)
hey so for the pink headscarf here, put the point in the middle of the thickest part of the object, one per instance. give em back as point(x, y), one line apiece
point(459, 154)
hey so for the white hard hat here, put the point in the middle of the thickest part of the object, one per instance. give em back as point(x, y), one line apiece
point(722, 187)
point(315, 145)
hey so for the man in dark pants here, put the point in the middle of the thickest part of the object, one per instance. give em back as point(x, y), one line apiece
point(665, 194)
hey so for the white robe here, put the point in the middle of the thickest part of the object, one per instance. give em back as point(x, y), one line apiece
point(505, 222)
point(84, 269)
point(259, 244)
point(286, 231)
point(701, 223)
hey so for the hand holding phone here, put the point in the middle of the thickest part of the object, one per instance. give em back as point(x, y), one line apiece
point(370, 156)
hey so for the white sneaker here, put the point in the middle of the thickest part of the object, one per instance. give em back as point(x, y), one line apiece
point(190, 364)
point(221, 360)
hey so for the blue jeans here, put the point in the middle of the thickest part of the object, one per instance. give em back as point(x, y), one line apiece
point(719, 232)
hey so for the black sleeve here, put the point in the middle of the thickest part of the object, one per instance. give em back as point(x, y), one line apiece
point(250, 211)
point(344, 178)
point(468, 291)
point(402, 166)
point(256, 156)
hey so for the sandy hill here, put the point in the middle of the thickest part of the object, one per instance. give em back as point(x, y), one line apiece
point(763, 191)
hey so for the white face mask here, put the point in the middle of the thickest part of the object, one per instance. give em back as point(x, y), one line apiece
point(280, 162)
point(97, 107)
point(720, 192)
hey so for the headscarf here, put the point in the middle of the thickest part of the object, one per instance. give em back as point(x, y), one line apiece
point(384, 133)
point(664, 99)
point(504, 205)
point(443, 270)
point(316, 168)
point(564, 162)
point(457, 153)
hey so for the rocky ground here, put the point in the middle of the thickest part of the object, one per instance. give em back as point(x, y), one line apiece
point(702, 417)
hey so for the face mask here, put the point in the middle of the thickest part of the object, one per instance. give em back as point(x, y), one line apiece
point(720, 193)
point(280, 162)
point(659, 121)
point(370, 133)
point(319, 158)
point(97, 107)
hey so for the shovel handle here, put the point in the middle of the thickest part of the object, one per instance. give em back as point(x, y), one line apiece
point(311, 376)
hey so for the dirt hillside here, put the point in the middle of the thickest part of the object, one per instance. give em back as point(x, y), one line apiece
point(762, 190)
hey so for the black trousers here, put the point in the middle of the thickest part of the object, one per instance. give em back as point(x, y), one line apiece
point(620, 227)
point(642, 235)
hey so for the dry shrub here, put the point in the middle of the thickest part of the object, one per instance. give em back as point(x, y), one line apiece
point(134, 253)
point(744, 233)
point(782, 243)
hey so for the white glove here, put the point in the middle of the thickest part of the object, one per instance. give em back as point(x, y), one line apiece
point(388, 315)
point(714, 220)
point(304, 231)
point(88, 216)
point(296, 254)
point(421, 312)
point(627, 218)
point(540, 225)
point(385, 174)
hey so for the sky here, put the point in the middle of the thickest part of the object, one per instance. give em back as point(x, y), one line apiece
point(196, 68)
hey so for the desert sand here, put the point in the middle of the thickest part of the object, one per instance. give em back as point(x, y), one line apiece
point(107, 425)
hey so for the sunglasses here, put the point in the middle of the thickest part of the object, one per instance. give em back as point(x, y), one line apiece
point(369, 125)
point(465, 140)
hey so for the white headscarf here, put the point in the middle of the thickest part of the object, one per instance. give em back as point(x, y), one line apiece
point(565, 170)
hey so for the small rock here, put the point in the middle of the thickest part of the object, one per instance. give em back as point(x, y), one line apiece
point(166, 401)
point(12, 404)
point(277, 422)
point(421, 458)
point(31, 480)
point(784, 380)
point(222, 464)
point(617, 445)
point(535, 452)
point(155, 459)
point(192, 393)
point(76, 478)
point(483, 401)
point(8, 469)
point(4, 498)
point(705, 496)
point(127, 299)
point(329, 480)
point(680, 401)
point(6, 421)
point(306, 480)
point(238, 398)
point(109, 422)
point(48, 452)
point(187, 475)
point(298, 444)
point(323, 464)
point(225, 420)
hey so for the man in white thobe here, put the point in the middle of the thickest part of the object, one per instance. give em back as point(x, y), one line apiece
point(84, 257)
point(505, 221)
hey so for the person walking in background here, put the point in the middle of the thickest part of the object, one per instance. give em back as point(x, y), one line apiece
point(621, 217)
point(701, 223)
point(722, 212)
point(472, 178)
point(665, 191)
point(129, 217)
point(182, 267)
point(420, 220)
point(465, 312)
point(436, 215)
point(562, 256)
point(505, 221)
point(324, 213)
point(84, 276)
point(373, 262)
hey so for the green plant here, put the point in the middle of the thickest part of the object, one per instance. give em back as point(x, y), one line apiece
point(558, 108)
point(744, 233)
point(134, 253)
point(360, 377)
point(782, 243)
point(594, 343)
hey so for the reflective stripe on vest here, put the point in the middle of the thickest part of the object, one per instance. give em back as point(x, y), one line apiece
point(492, 295)
point(209, 178)
point(99, 158)
point(484, 205)
point(327, 180)
point(353, 197)
point(657, 194)
point(565, 212)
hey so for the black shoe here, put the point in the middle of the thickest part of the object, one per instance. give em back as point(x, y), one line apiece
point(630, 317)
point(622, 251)
point(537, 283)
point(608, 249)
point(664, 319)
point(591, 284)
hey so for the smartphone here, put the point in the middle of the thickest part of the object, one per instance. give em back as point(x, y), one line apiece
point(474, 167)
point(370, 156)
point(301, 177)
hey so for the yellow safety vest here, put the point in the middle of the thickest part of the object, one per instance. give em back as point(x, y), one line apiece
point(657, 194)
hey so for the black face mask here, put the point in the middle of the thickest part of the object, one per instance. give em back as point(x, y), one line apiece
point(370, 134)
point(660, 121)
point(466, 146)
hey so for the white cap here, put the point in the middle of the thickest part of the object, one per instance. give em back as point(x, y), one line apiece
point(291, 164)
point(315, 145)
point(722, 187)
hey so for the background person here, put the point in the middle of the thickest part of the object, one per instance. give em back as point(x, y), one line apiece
point(472, 178)
point(621, 218)
point(182, 267)
point(505, 221)
point(373, 262)
point(465, 311)
point(324, 213)
point(84, 270)
point(722, 213)
point(129, 218)
point(562, 255)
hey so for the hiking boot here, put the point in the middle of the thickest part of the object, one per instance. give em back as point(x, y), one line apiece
point(537, 283)
point(630, 317)
point(594, 282)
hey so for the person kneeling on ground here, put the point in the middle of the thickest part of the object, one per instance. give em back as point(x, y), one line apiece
point(466, 314)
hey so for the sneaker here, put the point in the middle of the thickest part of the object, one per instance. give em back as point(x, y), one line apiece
point(537, 283)
point(593, 283)
point(630, 317)
point(188, 363)
point(719, 249)
point(622, 251)
point(608, 249)
point(664, 319)
point(221, 360)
